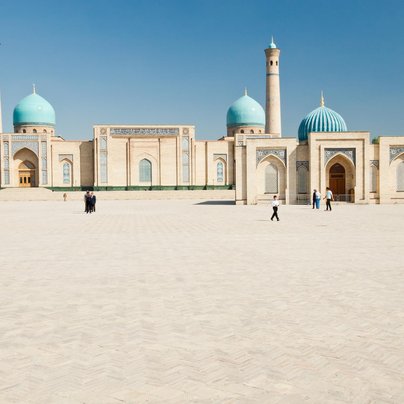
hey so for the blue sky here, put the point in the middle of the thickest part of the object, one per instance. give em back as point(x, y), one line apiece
point(185, 62)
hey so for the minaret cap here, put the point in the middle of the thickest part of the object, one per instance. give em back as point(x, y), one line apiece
point(272, 45)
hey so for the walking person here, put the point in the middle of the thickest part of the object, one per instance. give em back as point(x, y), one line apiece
point(318, 199)
point(314, 199)
point(328, 197)
point(275, 206)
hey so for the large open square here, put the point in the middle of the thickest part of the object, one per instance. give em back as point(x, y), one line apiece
point(201, 302)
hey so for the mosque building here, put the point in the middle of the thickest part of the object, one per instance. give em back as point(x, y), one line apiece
point(253, 158)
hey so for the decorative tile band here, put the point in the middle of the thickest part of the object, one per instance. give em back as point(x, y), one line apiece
point(144, 131)
point(44, 153)
point(395, 151)
point(17, 146)
point(24, 137)
point(348, 152)
point(302, 163)
point(262, 153)
point(6, 163)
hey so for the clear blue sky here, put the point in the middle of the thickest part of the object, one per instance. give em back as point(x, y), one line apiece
point(186, 61)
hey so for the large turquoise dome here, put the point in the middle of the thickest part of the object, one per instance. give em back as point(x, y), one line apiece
point(245, 112)
point(322, 119)
point(34, 110)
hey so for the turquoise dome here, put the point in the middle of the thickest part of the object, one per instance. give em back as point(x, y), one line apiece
point(322, 119)
point(34, 110)
point(245, 112)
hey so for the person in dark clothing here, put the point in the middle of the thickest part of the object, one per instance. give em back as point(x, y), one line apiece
point(314, 198)
point(275, 206)
point(87, 202)
point(93, 200)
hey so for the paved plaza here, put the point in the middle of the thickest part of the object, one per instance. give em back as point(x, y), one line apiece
point(201, 302)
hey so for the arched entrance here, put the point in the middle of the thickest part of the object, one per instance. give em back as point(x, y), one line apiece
point(25, 168)
point(337, 180)
point(26, 174)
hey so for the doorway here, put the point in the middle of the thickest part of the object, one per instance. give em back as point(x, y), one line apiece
point(26, 175)
point(337, 180)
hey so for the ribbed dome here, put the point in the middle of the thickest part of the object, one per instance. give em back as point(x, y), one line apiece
point(34, 110)
point(245, 112)
point(322, 119)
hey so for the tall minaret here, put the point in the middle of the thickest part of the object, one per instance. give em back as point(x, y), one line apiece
point(273, 93)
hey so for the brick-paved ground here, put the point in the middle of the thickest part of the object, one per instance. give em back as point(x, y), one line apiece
point(178, 302)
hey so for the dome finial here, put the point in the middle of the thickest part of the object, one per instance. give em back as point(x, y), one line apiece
point(322, 99)
point(33, 89)
point(245, 91)
point(272, 45)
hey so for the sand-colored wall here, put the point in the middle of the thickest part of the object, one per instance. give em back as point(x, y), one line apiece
point(391, 152)
point(65, 152)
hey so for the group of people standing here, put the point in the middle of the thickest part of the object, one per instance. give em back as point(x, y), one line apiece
point(317, 199)
point(316, 202)
point(89, 202)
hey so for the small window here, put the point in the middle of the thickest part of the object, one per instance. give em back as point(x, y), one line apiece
point(145, 171)
point(272, 62)
point(219, 172)
point(260, 131)
point(252, 131)
point(66, 173)
point(24, 131)
point(277, 63)
point(44, 131)
point(34, 131)
point(242, 131)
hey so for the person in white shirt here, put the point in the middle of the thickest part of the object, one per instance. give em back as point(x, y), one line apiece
point(318, 200)
point(275, 206)
point(329, 197)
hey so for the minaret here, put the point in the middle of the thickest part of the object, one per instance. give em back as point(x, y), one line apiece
point(273, 94)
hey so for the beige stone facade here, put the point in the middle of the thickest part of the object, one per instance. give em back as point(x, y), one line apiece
point(257, 165)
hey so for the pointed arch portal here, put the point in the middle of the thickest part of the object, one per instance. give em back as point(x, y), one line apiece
point(337, 179)
point(26, 174)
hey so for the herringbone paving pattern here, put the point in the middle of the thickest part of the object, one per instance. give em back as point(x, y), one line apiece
point(180, 302)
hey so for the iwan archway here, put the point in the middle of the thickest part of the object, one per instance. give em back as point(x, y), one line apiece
point(26, 175)
point(340, 178)
point(26, 168)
